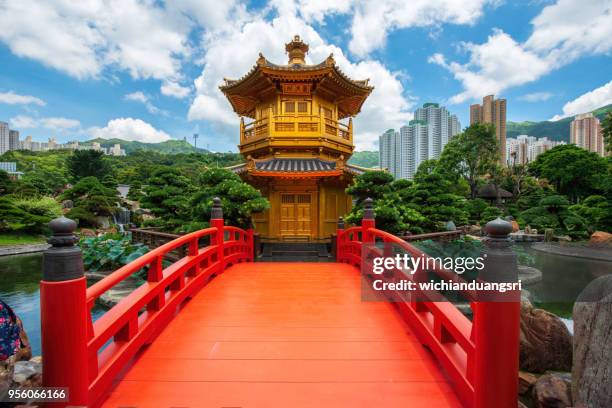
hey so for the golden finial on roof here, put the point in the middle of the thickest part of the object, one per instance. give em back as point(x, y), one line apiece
point(261, 60)
point(330, 61)
point(297, 50)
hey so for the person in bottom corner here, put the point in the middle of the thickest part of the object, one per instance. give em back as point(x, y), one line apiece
point(14, 341)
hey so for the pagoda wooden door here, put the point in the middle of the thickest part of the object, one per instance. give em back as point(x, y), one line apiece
point(295, 216)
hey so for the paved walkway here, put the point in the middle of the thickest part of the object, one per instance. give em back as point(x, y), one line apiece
point(575, 250)
point(284, 335)
point(22, 249)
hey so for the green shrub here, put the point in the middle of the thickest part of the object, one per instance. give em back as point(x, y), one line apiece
point(596, 210)
point(44, 206)
point(28, 215)
point(83, 217)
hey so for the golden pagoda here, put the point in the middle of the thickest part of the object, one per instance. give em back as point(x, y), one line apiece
point(297, 138)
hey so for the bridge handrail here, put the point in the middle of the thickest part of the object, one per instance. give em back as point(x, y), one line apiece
point(108, 282)
point(416, 252)
point(480, 356)
point(87, 356)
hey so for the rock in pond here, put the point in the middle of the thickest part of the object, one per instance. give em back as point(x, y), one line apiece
point(592, 368)
point(526, 382)
point(545, 341)
point(24, 370)
point(552, 391)
point(601, 239)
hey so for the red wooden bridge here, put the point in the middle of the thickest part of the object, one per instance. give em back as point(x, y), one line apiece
point(266, 334)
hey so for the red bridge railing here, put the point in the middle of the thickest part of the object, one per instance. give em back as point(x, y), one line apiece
point(480, 356)
point(86, 356)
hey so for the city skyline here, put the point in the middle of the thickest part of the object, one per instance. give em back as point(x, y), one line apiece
point(10, 140)
point(421, 139)
point(161, 79)
point(524, 148)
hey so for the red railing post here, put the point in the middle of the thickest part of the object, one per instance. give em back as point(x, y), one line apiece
point(64, 315)
point(496, 325)
point(367, 221)
point(250, 243)
point(339, 238)
point(216, 221)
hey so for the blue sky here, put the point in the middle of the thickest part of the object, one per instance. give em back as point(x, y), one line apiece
point(149, 70)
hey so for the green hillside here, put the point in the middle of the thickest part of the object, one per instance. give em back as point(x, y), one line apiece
point(364, 159)
point(558, 130)
point(169, 146)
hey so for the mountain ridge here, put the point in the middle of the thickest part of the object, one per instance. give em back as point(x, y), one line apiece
point(555, 130)
point(168, 146)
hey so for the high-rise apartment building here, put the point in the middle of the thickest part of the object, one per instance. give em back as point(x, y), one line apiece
point(525, 149)
point(585, 132)
point(422, 139)
point(492, 111)
point(4, 137)
point(389, 151)
point(13, 140)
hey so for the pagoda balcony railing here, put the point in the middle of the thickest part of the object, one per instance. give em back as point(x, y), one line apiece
point(296, 125)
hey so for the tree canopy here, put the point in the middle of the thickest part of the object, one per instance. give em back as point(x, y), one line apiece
point(470, 155)
point(167, 197)
point(86, 163)
point(606, 127)
point(239, 199)
point(575, 172)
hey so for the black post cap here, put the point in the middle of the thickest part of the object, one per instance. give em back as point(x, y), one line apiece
point(217, 211)
point(368, 209)
point(498, 228)
point(63, 261)
point(62, 230)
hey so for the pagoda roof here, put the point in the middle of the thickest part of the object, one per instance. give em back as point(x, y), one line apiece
point(296, 167)
point(264, 79)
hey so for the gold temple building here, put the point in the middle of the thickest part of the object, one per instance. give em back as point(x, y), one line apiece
point(297, 139)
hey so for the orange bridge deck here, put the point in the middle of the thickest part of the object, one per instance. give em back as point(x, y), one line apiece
point(284, 335)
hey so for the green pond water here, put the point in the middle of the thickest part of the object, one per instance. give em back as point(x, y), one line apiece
point(19, 287)
point(563, 279)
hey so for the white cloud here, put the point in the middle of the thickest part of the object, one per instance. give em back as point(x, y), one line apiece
point(129, 129)
point(568, 29)
point(23, 122)
point(561, 33)
point(493, 67)
point(211, 14)
point(588, 102)
point(233, 52)
point(175, 90)
point(139, 96)
point(54, 123)
point(82, 38)
point(535, 97)
point(374, 19)
point(12, 98)
point(206, 107)
point(59, 124)
point(136, 96)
